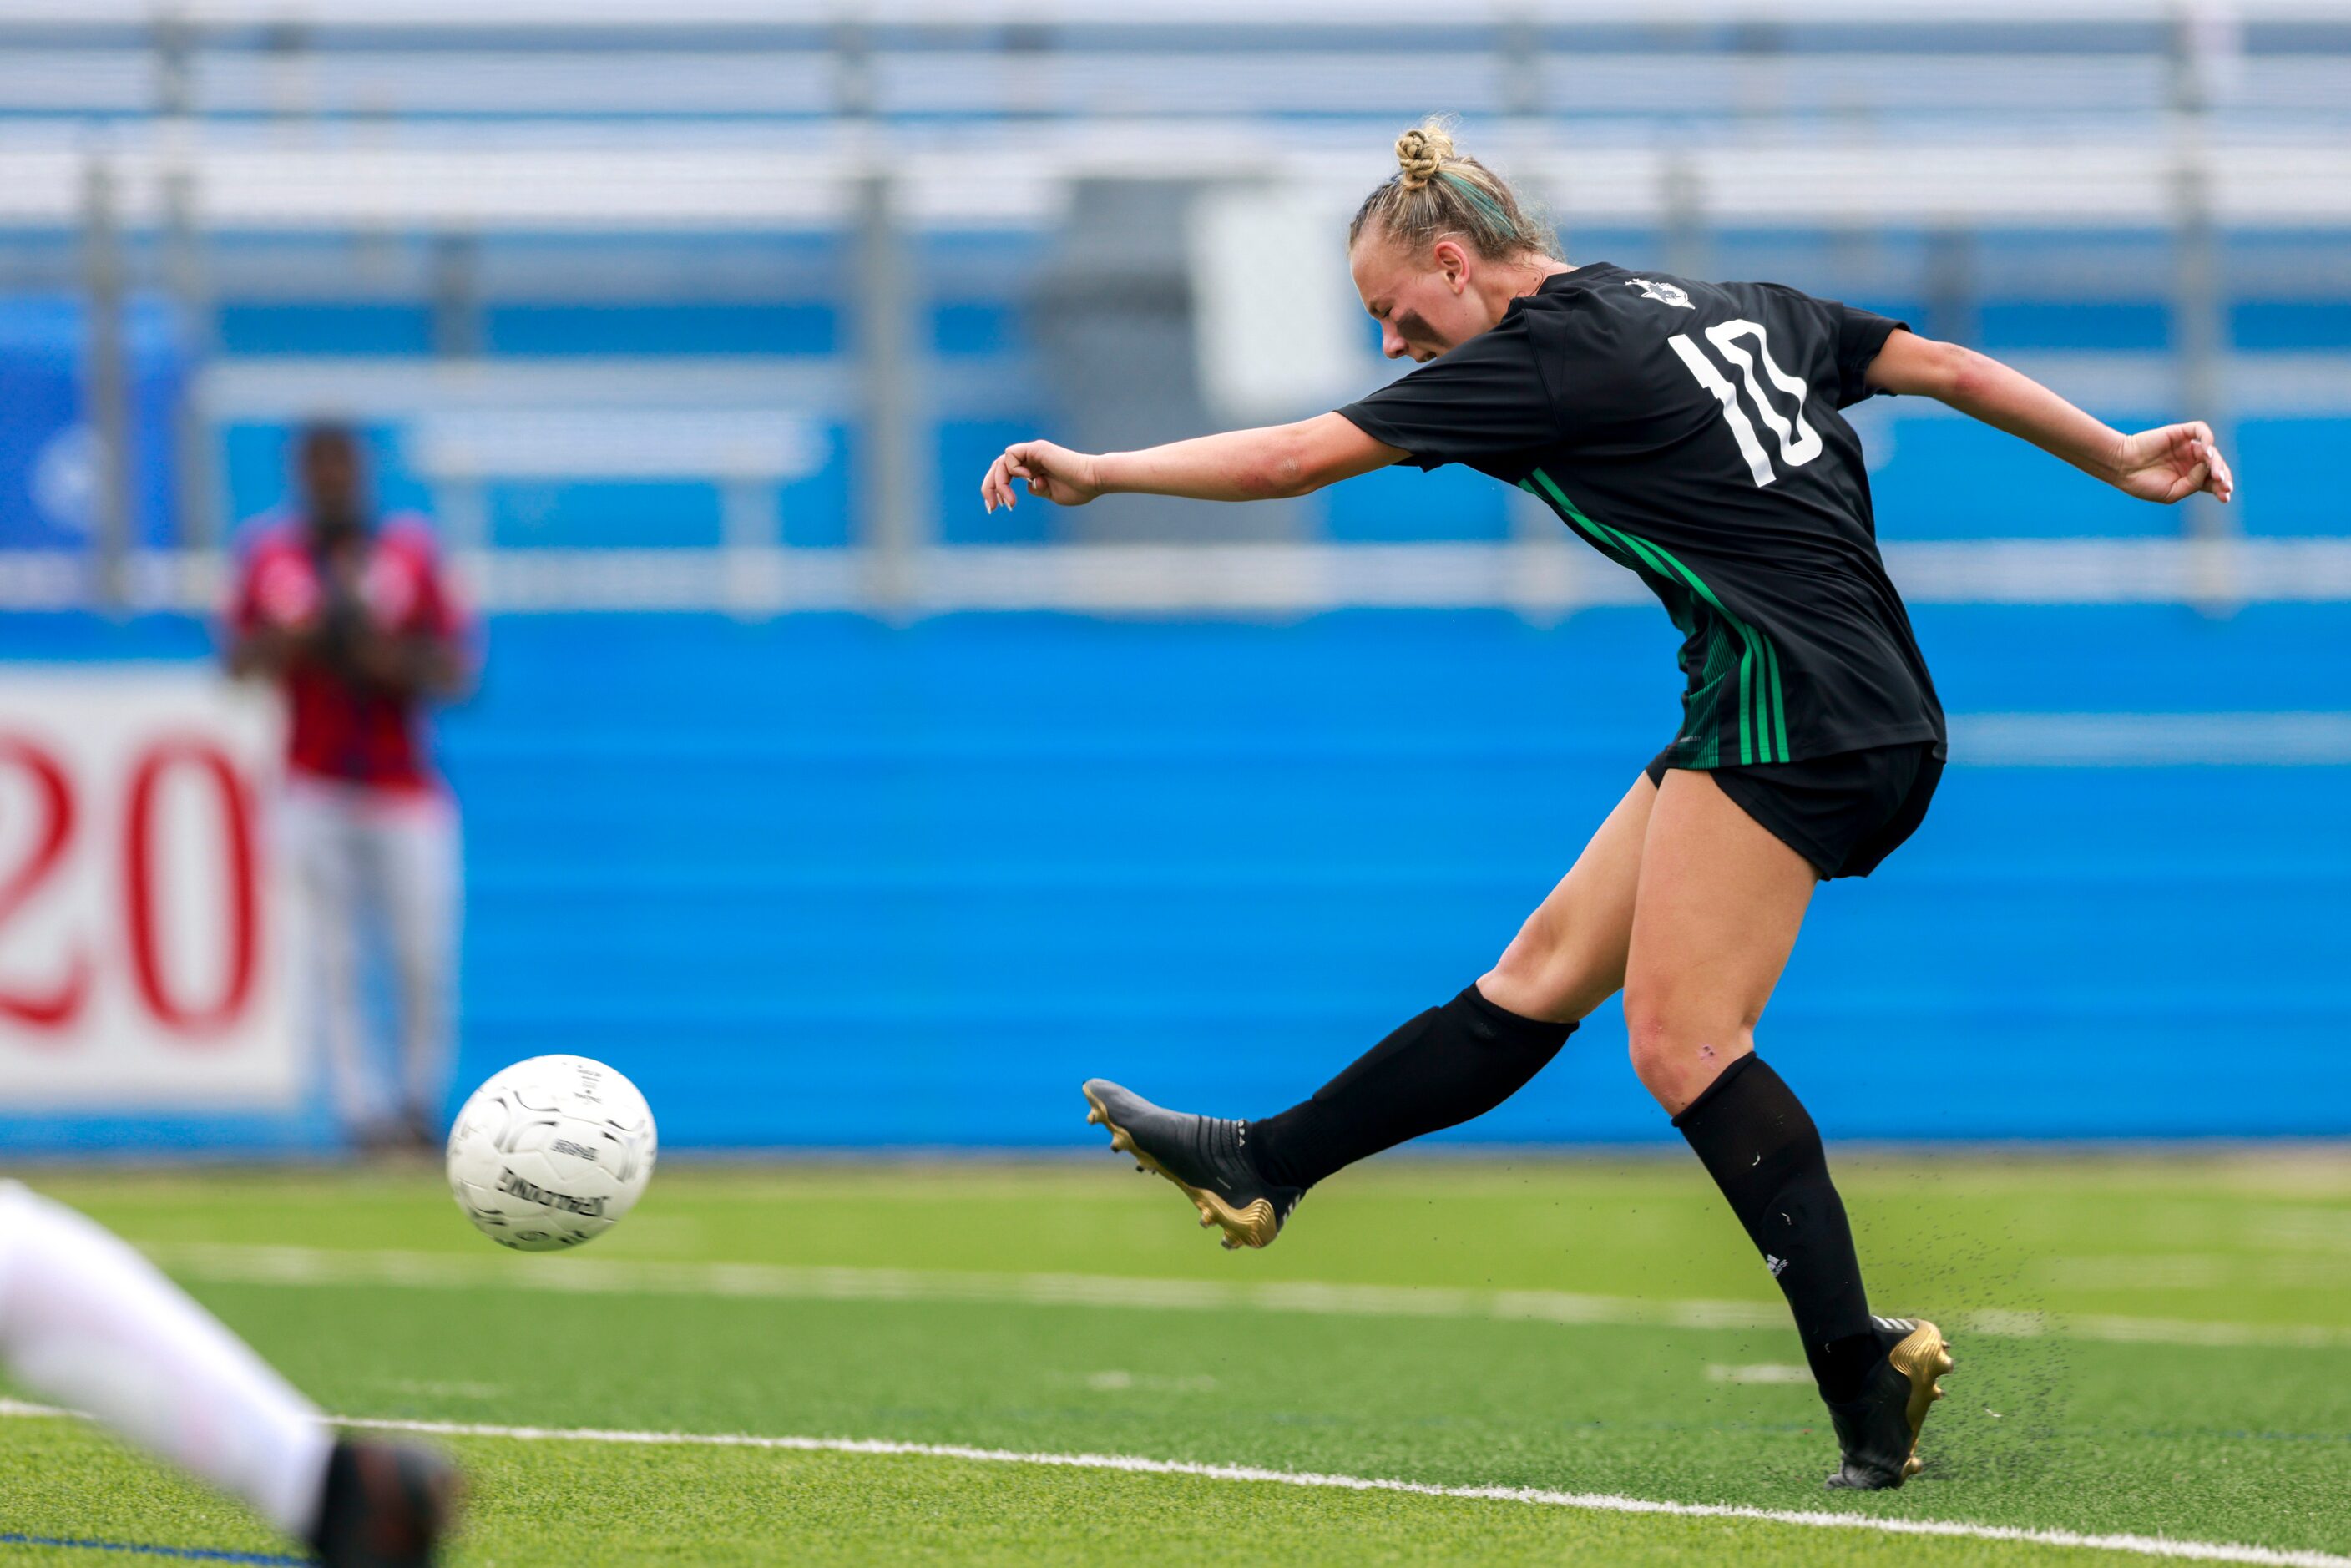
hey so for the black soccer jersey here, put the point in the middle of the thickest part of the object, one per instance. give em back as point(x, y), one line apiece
point(1690, 431)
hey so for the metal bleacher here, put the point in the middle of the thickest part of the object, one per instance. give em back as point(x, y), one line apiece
point(855, 224)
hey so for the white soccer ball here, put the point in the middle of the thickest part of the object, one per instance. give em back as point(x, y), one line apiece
point(551, 1153)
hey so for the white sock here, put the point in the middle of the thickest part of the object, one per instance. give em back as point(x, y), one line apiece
point(87, 1323)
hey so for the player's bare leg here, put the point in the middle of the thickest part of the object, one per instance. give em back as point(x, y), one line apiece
point(1441, 1068)
point(1715, 917)
point(1569, 957)
point(1719, 904)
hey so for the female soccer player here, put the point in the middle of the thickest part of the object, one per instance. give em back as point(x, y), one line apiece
point(1690, 432)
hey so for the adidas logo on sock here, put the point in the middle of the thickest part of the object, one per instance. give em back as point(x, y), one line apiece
point(1776, 1264)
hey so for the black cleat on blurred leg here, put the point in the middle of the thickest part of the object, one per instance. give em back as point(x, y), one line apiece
point(386, 1506)
point(1207, 1157)
point(1878, 1430)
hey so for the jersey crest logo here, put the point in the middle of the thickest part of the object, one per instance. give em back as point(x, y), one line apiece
point(1664, 293)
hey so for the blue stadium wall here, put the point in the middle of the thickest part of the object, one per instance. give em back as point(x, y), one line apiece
point(821, 882)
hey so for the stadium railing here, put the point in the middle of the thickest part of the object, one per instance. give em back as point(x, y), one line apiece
point(142, 143)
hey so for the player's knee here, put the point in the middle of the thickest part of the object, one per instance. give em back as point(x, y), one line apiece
point(1542, 984)
point(1649, 1039)
point(1545, 975)
point(1676, 1048)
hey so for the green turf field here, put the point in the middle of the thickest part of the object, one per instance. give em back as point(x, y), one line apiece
point(2152, 1346)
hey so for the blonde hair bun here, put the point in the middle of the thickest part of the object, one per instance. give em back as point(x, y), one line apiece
point(1422, 152)
point(1438, 192)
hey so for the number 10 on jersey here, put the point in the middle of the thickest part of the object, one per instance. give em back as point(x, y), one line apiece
point(1799, 443)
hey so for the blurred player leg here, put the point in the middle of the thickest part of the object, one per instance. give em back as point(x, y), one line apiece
point(324, 845)
point(416, 851)
point(88, 1322)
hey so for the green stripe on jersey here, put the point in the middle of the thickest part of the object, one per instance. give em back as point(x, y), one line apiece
point(1763, 704)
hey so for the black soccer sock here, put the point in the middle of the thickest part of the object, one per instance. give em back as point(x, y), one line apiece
point(1439, 1070)
point(1757, 1141)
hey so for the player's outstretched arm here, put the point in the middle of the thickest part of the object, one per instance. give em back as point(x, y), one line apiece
point(1265, 465)
point(2167, 464)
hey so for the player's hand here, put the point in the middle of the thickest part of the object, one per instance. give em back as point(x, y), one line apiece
point(2173, 463)
point(273, 647)
point(1062, 476)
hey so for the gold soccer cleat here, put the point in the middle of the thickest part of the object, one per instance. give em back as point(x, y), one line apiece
point(1207, 1156)
point(1878, 1431)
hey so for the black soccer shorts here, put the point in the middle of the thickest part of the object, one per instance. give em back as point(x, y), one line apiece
point(1844, 812)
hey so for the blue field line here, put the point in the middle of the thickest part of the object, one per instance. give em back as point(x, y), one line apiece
point(184, 1553)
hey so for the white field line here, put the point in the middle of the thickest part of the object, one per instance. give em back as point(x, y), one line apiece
point(241, 1265)
point(1762, 1372)
point(1131, 1464)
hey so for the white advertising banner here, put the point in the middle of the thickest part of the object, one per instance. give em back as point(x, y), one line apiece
point(142, 937)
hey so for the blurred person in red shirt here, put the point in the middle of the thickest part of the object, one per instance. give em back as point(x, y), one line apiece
point(355, 620)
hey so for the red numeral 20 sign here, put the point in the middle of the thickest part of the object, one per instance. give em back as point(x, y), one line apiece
point(60, 828)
